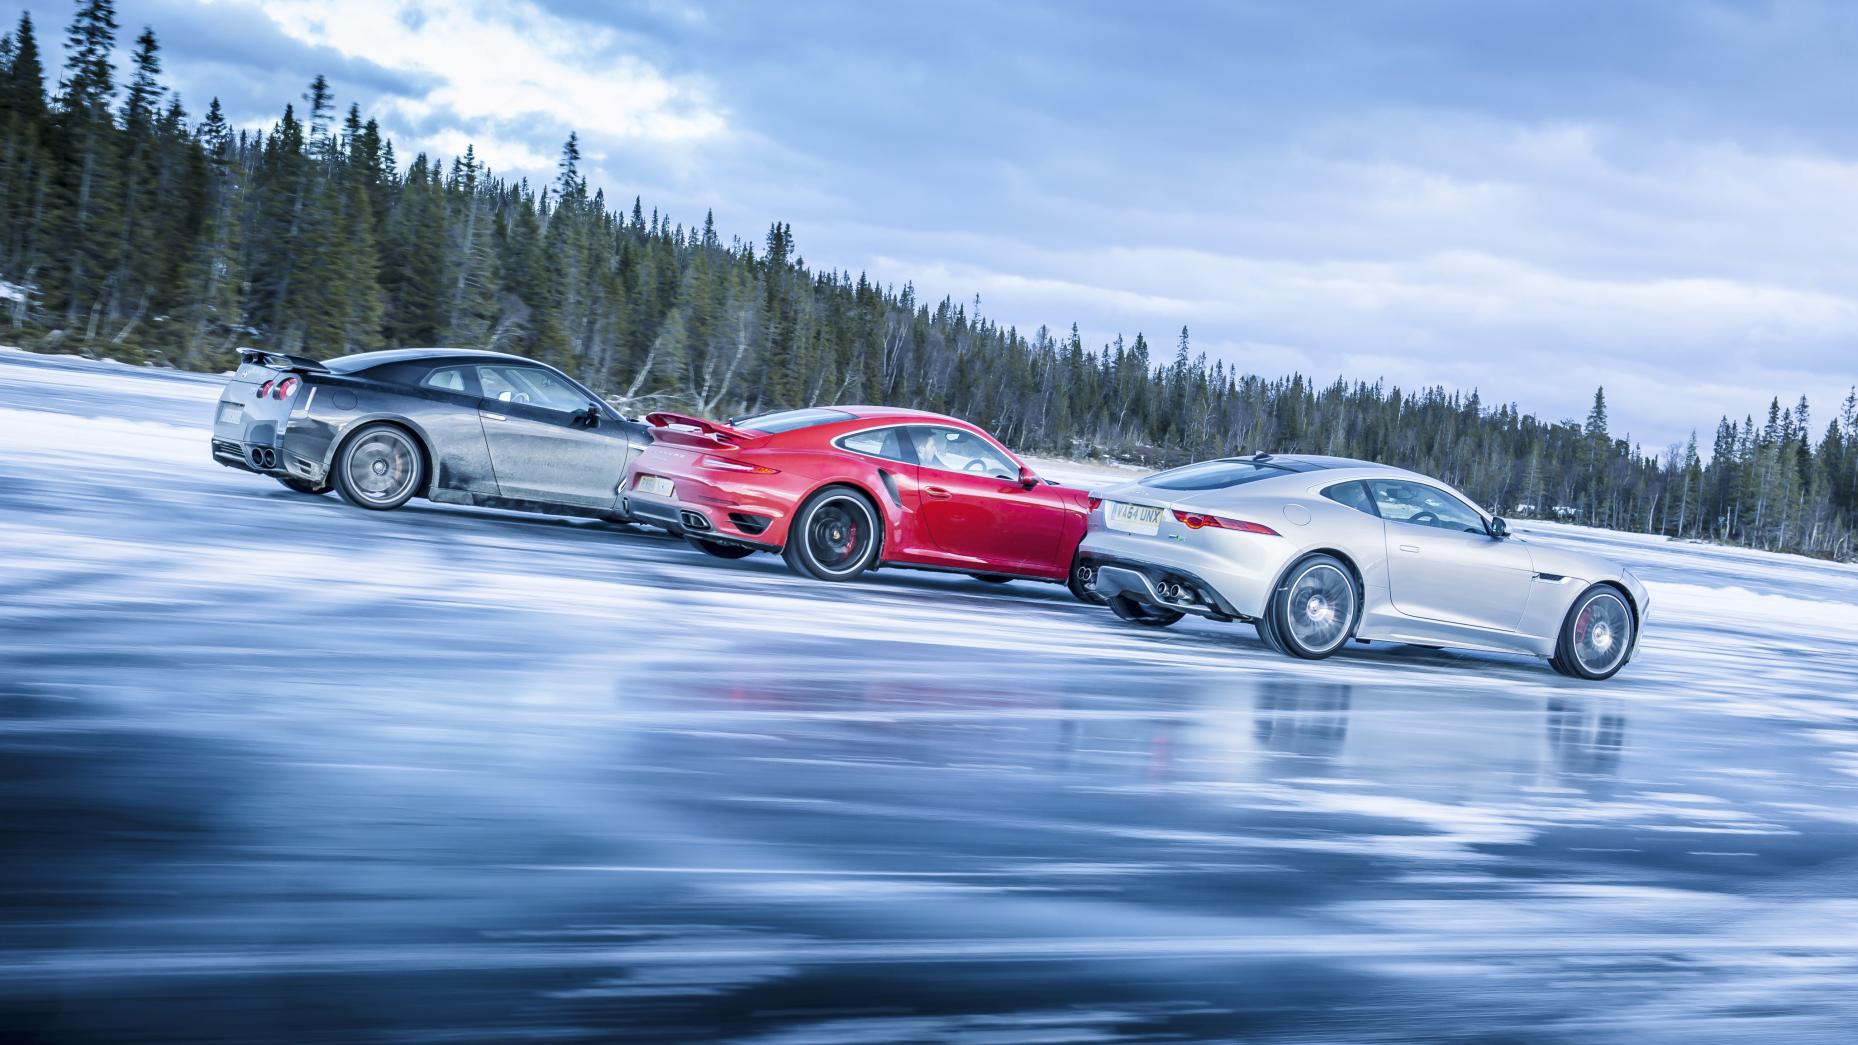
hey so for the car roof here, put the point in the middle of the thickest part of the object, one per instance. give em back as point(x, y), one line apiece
point(1322, 469)
point(1295, 464)
point(1369, 469)
point(1304, 462)
point(884, 413)
point(368, 360)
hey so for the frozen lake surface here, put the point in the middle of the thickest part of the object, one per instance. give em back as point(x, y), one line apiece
point(279, 769)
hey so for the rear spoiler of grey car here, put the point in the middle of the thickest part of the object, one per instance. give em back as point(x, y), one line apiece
point(280, 361)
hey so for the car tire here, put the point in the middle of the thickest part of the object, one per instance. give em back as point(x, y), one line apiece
point(1141, 613)
point(835, 535)
point(291, 482)
point(1596, 636)
point(720, 549)
point(380, 467)
point(1267, 634)
point(1314, 609)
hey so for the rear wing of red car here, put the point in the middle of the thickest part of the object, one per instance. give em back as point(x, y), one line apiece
point(695, 431)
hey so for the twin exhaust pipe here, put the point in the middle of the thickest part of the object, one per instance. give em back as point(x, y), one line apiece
point(1169, 590)
point(264, 457)
point(1175, 592)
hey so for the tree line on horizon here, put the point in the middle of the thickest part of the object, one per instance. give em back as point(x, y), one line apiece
point(130, 229)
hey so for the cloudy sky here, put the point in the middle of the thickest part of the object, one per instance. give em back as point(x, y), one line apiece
point(1527, 198)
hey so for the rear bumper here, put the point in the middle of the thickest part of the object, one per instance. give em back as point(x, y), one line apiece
point(729, 520)
point(267, 435)
point(232, 455)
point(1229, 584)
point(272, 459)
point(1163, 586)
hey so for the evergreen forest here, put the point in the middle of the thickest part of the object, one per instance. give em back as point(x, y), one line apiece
point(134, 228)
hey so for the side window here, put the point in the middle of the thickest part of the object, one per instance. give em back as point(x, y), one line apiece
point(447, 379)
point(1354, 494)
point(887, 443)
point(1422, 505)
point(956, 450)
point(530, 385)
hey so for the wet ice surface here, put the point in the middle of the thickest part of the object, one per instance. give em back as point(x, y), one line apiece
point(278, 769)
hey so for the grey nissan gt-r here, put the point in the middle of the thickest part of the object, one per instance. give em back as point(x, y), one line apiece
point(453, 425)
point(1318, 550)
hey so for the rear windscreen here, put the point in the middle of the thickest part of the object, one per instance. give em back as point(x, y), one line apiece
point(1211, 475)
point(359, 361)
point(788, 420)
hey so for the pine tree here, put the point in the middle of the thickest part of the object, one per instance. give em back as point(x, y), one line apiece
point(89, 192)
point(214, 280)
point(25, 165)
point(139, 248)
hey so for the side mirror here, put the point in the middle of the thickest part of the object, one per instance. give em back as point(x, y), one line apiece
point(588, 418)
point(1026, 477)
point(1498, 528)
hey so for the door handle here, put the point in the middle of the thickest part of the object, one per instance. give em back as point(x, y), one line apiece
point(1410, 548)
point(936, 492)
point(495, 417)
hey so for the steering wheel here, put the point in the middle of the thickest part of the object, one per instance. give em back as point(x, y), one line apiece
point(1424, 518)
point(977, 467)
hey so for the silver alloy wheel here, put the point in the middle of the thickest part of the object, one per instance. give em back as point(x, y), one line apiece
point(382, 466)
point(1319, 607)
point(1602, 633)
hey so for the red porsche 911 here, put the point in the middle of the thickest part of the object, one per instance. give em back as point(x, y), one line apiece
point(840, 490)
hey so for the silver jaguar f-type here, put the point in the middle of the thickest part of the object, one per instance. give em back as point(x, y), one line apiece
point(456, 425)
point(1318, 550)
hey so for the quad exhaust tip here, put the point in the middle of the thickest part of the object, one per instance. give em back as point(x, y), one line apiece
point(264, 457)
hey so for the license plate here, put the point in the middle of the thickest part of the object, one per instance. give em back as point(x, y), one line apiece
point(656, 485)
point(1134, 518)
point(231, 413)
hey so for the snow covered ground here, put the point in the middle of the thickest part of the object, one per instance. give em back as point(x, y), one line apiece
point(278, 769)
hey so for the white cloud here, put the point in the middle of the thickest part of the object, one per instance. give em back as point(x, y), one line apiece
point(510, 65)
point(1693, 279)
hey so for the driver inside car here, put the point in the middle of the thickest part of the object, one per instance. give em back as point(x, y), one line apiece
point(926, 454)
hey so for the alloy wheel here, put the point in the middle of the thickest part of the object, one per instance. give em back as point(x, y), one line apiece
point(1602, 633)
point(1319, 607)
point(381, 467)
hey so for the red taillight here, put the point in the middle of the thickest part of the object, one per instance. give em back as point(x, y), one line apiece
point(724, 464)
point(285, 388)
point(1093, 503)
point(1195, 521)
point(263, 390)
